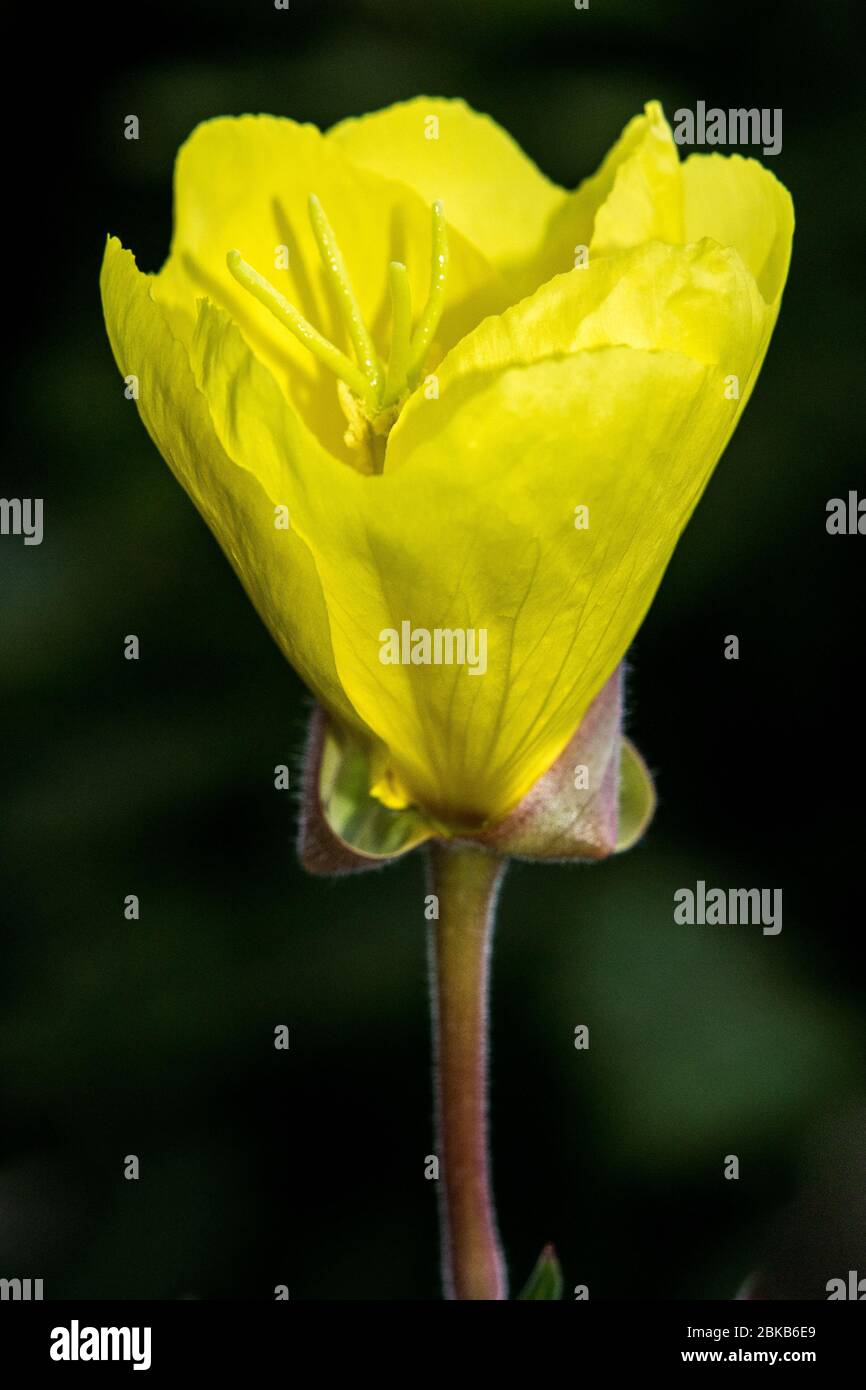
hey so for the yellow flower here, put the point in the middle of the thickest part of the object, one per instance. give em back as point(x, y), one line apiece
point(507, 445)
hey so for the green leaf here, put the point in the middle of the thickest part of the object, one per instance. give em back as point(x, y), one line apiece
point(545, 1281)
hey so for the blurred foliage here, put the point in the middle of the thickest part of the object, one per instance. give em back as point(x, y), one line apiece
point(156, 778)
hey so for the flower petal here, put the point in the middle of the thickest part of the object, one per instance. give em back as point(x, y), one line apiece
point(635, 196)
point(607, 389)
point(709, 300)
point(739, 203)
point(638, 187)
point(698, 300)
point(492, 191)
point(274, 565)
point(477, 531)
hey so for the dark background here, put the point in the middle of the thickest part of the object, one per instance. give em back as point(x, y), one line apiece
point(156, 777)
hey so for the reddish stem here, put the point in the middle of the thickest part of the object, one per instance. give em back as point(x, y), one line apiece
point(466, 882)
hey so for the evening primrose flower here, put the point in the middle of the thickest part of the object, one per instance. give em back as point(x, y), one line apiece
point(448, 421)
point(414, 388)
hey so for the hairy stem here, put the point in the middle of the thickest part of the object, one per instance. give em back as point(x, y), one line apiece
point(466, 883)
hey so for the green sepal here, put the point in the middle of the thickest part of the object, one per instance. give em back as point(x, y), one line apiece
point(637, 797)
point(358, 819)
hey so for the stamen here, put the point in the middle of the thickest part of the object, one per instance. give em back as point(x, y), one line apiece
point(371, 400)
point(429, 320)
point(339, 276)
point(330, 356)
point(401, 312)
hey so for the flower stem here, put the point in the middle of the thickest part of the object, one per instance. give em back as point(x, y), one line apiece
point(466, 882)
